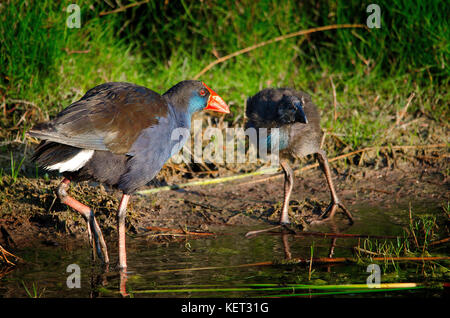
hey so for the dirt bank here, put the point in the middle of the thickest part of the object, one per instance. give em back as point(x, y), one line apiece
point(31, 214)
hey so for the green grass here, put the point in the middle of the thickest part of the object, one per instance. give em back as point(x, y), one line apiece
point(15, 167)
point(34, 293)
point(417, 241)
point(158, 44)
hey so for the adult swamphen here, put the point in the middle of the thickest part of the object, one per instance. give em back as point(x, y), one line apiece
point(118, 134)
point(298, 121)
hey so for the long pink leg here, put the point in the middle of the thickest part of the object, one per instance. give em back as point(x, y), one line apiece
point(121, 214)
point(335, 202)
point(96, 239)
point(288, 185)
point(88, 215)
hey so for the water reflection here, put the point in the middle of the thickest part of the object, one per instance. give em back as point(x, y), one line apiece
point(150, 262)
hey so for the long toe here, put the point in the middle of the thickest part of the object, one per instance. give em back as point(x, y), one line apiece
point(99, 241)
point(96, 239)
point(92, 242)
point(347, 212)
point(331, 211)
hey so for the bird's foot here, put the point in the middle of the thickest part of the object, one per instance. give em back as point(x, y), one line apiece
point(96, 239)
point(331, 211)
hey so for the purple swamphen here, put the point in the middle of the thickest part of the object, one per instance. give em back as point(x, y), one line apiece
point(118, 134)
point(298, 121)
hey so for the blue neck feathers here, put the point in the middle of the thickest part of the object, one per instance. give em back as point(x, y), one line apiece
point(196, 103)
point(283, 140)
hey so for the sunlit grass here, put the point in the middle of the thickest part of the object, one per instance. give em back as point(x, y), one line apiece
point(48, 65)
point(33, 292)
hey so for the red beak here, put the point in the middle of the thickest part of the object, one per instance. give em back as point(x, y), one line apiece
point(215, 102)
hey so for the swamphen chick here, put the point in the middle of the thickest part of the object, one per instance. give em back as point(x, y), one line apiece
point(118, 134)
point(300, 134)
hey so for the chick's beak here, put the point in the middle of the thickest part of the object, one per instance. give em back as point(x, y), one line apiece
point(301, 116)
point(215, 102)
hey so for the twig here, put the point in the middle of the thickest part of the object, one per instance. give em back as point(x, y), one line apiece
point(177, 231)
point(6, 270)
point(440, 241)
point(76, 51)
point(403, 126)
point(359, 249)
point(319, 260)
point(325, 235)
point(277, 39)
point(345, 235)
point(402, 113)
point(121, 9)
point(211, 267)
point(311, 261)
point(322, 141)
point(21, 101)
point(4, 253)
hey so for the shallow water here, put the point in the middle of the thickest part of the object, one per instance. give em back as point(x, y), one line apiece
point(46, 267)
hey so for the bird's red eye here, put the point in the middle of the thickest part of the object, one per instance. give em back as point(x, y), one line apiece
point(202, 92)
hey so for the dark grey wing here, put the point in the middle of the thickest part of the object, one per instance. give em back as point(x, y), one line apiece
point(154, 146)
point(108, 117)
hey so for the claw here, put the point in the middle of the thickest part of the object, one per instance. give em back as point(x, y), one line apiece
point(331, 210)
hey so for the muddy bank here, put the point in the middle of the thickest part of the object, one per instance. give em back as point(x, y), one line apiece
point(31, 214)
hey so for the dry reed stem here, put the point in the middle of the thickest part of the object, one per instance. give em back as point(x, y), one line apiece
point(177, 231)
point(123, 8)
point(402, 113)
point(277, 39)
point(319, 260)
point(4, 253)
point(440, 241)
